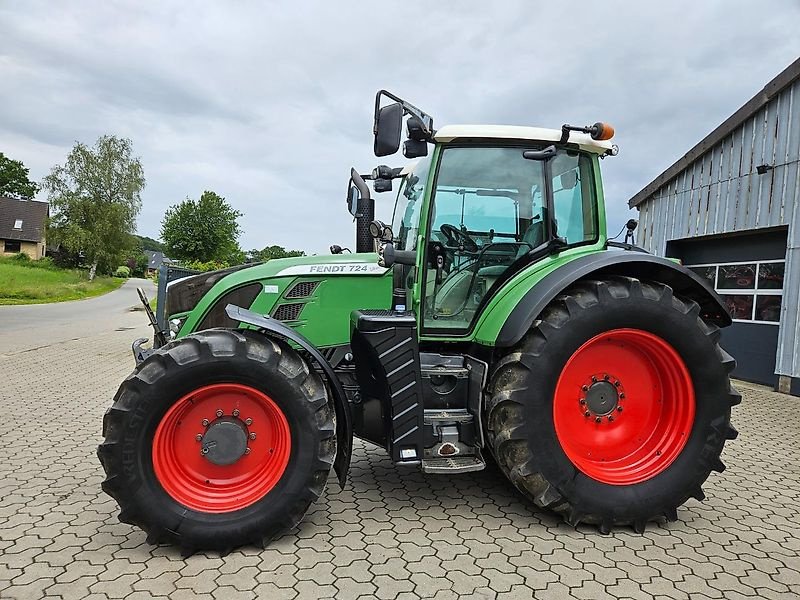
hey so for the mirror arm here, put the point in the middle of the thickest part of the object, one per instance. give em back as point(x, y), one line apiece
point(408, 108)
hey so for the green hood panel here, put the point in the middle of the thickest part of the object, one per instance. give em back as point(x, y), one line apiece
point(334, 264)
point(338, 285)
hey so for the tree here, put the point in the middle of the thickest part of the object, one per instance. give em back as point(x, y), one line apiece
point(96, 196)
point(148, 243)
point(271, 252)
point(14, 179)
point(202, 230)
point(137, 263)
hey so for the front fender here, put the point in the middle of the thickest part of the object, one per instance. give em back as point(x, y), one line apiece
point(344, 424)
point(610, 262)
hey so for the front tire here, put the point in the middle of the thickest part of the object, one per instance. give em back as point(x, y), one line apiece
point(615, 407)
point(220, 439)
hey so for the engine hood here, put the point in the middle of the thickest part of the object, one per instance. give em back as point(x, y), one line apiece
point(312, 294)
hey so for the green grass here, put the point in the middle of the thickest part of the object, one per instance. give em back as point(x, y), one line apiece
point(28, 283)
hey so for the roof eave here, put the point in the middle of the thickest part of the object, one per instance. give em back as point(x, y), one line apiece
point(772, 89)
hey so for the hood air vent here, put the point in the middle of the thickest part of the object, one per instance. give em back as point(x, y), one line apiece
point(288, 312)
point(303, 289)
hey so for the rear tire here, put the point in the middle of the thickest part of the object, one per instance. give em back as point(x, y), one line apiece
point(153, 458)
point(569, 449)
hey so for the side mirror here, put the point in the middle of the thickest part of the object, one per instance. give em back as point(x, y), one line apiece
point(382, 185)
point(352, 198)
point(388, 127)
point(569, 179)
point(415, 148)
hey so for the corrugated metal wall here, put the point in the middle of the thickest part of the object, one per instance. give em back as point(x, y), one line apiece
point(721, 192)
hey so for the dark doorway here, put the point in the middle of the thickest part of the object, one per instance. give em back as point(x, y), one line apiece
point(747, 270)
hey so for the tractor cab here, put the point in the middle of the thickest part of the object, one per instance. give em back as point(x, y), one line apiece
point(487, 211)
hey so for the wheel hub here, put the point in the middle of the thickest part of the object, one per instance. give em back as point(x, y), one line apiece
point(225, 441)
point(602, 398)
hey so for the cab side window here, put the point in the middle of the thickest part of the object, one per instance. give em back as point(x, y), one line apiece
point(574, 198)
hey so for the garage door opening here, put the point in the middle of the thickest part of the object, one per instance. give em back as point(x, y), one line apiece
point(748, 272)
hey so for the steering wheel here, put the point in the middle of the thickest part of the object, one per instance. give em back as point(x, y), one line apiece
point(456, 237)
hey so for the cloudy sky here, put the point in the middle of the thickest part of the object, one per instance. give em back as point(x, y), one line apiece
point(269, 104)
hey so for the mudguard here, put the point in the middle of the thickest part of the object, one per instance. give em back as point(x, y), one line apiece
point(344, 424)
point(611, 262)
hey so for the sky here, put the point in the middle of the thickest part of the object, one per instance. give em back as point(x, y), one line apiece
point(269, 104)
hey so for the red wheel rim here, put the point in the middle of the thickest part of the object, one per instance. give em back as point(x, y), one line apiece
point(624, 406)
point(191, 478)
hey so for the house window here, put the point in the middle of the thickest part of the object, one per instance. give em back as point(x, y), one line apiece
point(752, 291)
point(12, 246)
point(18, 224)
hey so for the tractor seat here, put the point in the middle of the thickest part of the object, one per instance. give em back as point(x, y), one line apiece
point(533, 236)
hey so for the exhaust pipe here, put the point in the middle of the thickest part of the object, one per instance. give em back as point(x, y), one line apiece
point(365, 215)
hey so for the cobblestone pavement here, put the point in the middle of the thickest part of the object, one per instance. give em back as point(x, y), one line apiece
point(389, 534)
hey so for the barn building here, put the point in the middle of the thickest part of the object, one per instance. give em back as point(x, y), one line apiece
point(729, 209)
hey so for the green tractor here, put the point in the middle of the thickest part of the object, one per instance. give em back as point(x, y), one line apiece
point(492, 318)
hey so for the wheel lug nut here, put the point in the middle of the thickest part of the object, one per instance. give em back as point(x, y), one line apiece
point(252, 435)
point(582, 400)
point(587, 414)
point(616, 384)
point(199, 437)
point(610, 418)
point(219, 412)
point(235, 412)
point(247, 450)
point(619, 409)
point(594, 379)
point(606, 377)
point(248, 421)
point(585, 388)
point(621, 396)
point(205, 422)
point(598, 419)
point(204, 451)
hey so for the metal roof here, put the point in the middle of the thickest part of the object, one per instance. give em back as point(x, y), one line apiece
point(32, 213)
point(772, 89)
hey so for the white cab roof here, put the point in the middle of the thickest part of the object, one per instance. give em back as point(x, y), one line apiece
point(448, 133)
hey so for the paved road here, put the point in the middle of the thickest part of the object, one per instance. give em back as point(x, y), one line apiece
point(389, 534)
point(24, 327)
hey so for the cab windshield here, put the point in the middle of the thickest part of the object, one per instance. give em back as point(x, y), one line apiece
point(405, 222)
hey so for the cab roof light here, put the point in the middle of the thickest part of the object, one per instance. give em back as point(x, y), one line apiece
point(599, 131)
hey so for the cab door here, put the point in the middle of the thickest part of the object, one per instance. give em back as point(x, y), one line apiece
point(489, 208)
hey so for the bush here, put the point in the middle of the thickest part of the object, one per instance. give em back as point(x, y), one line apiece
point(22, 259)
point(211, 265)
point(122, 271)
point(42, 263)
point(45, 263)
point(65, 259)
